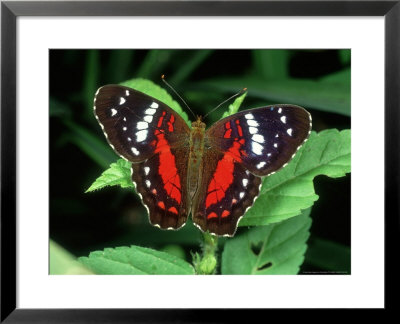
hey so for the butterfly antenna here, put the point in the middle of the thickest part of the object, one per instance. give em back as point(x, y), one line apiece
point(234, 96)
point(187, 106)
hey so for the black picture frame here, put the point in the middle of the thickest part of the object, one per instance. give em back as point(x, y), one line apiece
point(11, 10)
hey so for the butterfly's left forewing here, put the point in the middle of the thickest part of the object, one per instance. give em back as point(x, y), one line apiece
point(152, 136)
point(130, 120)
point(240, 149)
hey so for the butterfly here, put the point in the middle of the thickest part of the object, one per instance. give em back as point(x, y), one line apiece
point(213, 174)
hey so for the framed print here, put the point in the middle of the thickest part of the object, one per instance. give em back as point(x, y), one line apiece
point(155, 154)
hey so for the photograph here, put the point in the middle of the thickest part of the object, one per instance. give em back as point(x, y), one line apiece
point(200, 161)
point(157, 153)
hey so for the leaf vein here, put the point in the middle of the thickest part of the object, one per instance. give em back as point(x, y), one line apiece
point(120, 262)
point(323, 151)
point(289, 237)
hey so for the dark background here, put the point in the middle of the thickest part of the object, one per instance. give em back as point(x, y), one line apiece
point(318, 80)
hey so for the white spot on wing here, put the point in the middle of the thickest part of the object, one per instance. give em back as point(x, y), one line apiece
point(261, 164)
point(113, 112)
point(148, 183)
point(241, 195)
point(127, 92)
point(154, 105)
point(142, 125)
point(124, 128)
point(148, 118)
point(275, 145)
point(279, 110)
point(150, 111)
point(141, 135)
point(253, 130)
point(122, 100)
point(245, 182)
point(289, 131)
point(258, 138)
point(283, 119)
point(249, 116)
point(256, 148)
point(252, 122)
point(146, 170)
point(134, 150)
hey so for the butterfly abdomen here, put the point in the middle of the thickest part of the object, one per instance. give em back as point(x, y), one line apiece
point(196, 143)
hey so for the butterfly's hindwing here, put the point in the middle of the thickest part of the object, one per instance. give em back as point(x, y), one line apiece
point(262, 139)
point(225, 192)
point(161, 183)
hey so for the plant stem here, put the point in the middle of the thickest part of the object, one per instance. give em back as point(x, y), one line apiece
point(207, 263)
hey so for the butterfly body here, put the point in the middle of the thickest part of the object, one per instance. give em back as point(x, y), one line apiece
point(213, 174)
point(196, 146)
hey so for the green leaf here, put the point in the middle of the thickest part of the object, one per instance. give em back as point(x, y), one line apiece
point(64, 263)
point(94, 146)
point(92, 69)
point(191, 64)
point(118, 65)
point(345, 56)
point(325, 96)
point(234, 107)
point(329, 255)
point(135, 260)
point(59, 109)
point(155, 62)
point(174, 249)
point(118, 173)
point(274, 249)
point(340, 79)
point(272, 64)
point(151, 89)
point(285, 193)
